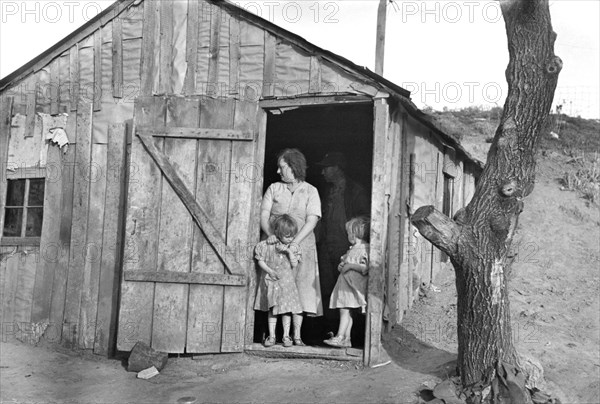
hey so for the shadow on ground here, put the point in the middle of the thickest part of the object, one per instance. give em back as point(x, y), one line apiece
point(410, 353)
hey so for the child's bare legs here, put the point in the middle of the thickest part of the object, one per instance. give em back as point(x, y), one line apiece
point(286, 320)
point(345, 324)
point(272, 321)
point(297, 318)
point(348, 327)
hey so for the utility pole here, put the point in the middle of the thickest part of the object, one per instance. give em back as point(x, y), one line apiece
point(380, 40)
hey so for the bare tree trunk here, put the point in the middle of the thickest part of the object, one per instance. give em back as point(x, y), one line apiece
point(479, 238)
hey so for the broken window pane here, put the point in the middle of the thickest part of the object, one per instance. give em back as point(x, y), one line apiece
point(13, 219)
point(34, 222)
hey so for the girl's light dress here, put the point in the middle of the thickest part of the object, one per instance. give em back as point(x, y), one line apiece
point(351, 288)
point(280, 295)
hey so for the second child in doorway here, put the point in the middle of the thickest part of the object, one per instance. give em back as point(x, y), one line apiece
point(351, 287)
point(277, 293)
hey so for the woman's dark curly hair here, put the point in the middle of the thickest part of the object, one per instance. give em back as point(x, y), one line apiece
point(296, 160)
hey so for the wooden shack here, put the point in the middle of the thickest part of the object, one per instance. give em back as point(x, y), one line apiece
point(134, 154)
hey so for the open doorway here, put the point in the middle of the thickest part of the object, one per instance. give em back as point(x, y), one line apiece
point(315, 131)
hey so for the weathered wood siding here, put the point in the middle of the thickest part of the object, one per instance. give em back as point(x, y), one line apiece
point(421, 159)
point(175, 47)
point(182, 48)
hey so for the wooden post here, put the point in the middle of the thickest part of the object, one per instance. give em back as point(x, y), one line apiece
point(377, 249)
point(380, 39)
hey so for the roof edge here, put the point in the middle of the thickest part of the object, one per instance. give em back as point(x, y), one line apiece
point(97, 22)
point(118, 6)
point(308, 46)
point(427, 121)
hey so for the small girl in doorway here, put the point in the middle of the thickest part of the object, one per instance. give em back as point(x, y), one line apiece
point(351, 287)
point(277, 293)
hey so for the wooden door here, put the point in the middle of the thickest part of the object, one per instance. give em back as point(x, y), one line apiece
point(188, 244)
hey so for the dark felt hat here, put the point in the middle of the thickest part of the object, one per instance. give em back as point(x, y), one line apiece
point(333, 159)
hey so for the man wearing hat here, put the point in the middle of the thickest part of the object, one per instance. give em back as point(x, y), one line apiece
point(344, 200)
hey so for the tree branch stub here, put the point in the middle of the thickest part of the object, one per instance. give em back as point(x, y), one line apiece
point(437, 228)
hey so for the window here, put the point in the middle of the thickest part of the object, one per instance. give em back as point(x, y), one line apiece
point(24, 208)
point(447, 204)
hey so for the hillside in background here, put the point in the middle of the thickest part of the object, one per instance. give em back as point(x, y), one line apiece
point(573, 142)
point(554, 285)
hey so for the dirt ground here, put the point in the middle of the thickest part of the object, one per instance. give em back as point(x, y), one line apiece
point(555, 309)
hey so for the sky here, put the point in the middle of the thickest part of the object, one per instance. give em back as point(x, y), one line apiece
point(449, 54)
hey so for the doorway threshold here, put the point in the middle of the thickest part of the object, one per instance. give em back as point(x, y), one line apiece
point(305, 352)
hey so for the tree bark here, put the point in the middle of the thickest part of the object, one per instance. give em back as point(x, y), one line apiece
point(479, 238)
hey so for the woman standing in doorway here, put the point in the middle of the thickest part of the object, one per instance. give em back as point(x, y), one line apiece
point(297, 198)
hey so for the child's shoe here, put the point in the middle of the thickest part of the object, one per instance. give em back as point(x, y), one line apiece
point(270, 341)
point(287, 342)
point(335, 342)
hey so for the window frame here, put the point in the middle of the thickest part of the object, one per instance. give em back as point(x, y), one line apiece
point(27, 174)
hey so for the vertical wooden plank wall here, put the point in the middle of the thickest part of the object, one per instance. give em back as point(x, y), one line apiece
point(8, 255)
point(75, 275)
point(376, 286)
point(11, 268)
point(83, 296)
point(176, 227)
point(234, 55)
point(27, 259)
point(212, 193)
point(147, 68)
point(143, 214)
point(117, 51)
point(6, 112)
point(59, 282)
point(216, 17)
point(112, 239)
point(92, 251)
point(254, 227)
point(238, 224)
point(269, 73)
point(404, 275)
point(49, 248)
point(436, 254)
point(191, 53)
point(166, 46)
point(394, 234)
